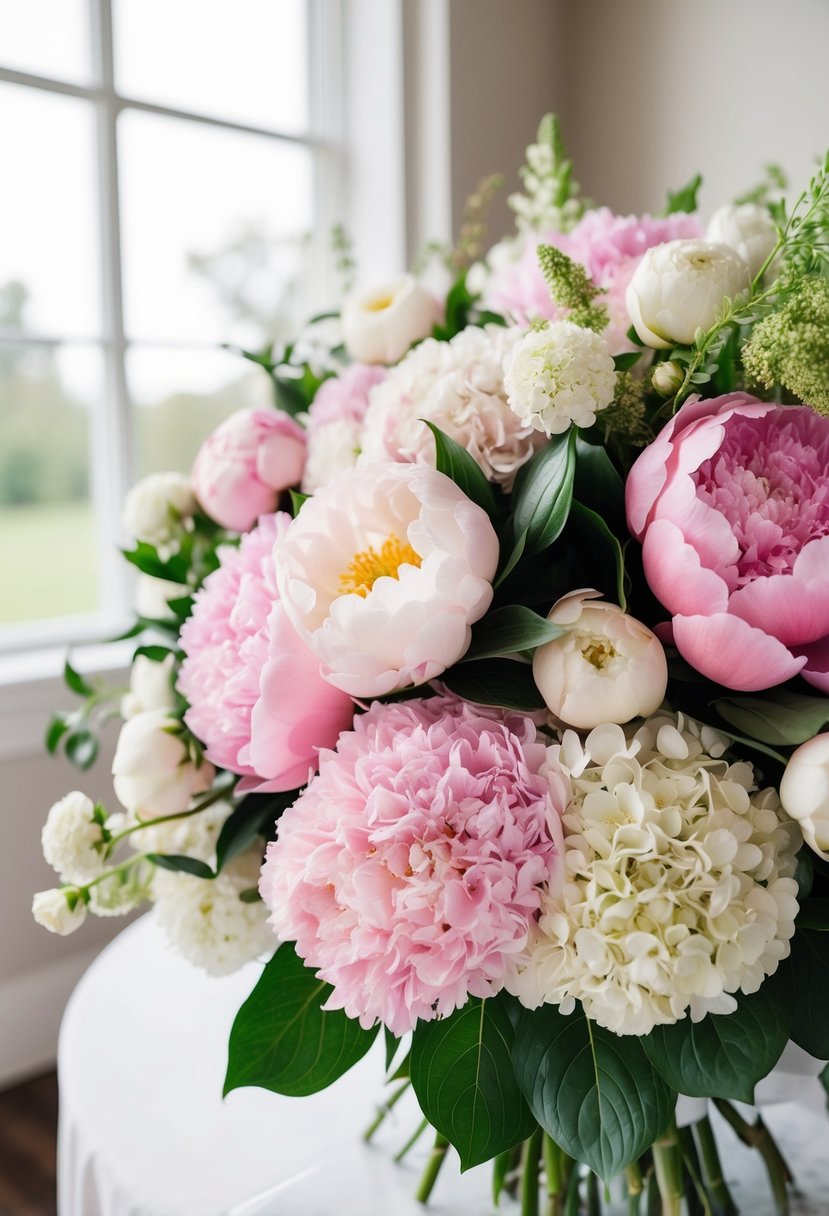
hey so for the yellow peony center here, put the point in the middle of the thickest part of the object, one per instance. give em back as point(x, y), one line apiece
point(379, 303)
point(370, 564)
point(598, 651)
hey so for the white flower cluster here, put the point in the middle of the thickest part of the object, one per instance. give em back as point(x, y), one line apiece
point(459, 386)
point(558, 375)
point(678, 887)
point(71, 839)
point(158, 508)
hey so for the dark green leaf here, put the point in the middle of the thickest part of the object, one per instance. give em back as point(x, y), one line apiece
point(462, 1075)
point(392, 1043)
point(502, 682)
point(543, 492)
point(685, 199)
point(596, 1093)
point(75, 682)
point(283, 1041)
point(782, 717)
point(597, 483)
point(459, 301)
point(512, 561)
point(623, 363)
point(182, 606)
point(467, 474)
point(509, 630)
point(81, 748)
point(298, 500)
point(814, 914)
point(57, 728)
point(145, 558)
point(181, 864)
point(156, 654)
point(601, 539)
point(253, 817)
point(723, 1056)
point(808, 975)
point(250, 895)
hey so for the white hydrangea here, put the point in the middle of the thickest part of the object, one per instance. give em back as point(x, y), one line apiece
point(157, 508)
point(70, 836)
point(459, 386)
point(122, 890)
point(560, 374)
point(678, 887)
point(53, 910)
point(331, 448)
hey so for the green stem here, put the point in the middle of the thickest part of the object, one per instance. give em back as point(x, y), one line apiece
point(557, 1166)
point(412, 1140)
point(654, 1199)
point(594, 1204)
point(757, 1135)
point(635, 1186)
point(529, 1174)
point(215, 795)
point(722, 1201)
point(433, 1166)
point(667, 1164)
point(383, 1109)
point(572, 1205)
point(698, 1200)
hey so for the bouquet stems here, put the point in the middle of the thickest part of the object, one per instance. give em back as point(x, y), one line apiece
point(530, 1174)
point(557, 1170)
point(757, 1135)
point(384, 1110)
point(668, 1169)
point(433, 1167)
point(721, 1199)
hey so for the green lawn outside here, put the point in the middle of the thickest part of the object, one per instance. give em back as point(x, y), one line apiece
point(47, 561)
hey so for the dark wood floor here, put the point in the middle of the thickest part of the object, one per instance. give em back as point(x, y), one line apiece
point(28, 1131)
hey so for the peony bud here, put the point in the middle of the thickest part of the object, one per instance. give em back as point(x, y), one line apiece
point(679, 287)
point(804, 792)
point(748, 229)
point(667, 377)
point(152, 774)
point(380, 325)
point(151, 686)
point(605, 667)
point(156, 506)
point(59, 911)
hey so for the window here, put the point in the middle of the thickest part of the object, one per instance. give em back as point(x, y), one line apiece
point(167, 181)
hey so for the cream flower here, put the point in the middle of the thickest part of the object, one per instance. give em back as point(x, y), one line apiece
point(332, 447)
point(679, 886)
point(559, 375)
point(151, 686)
point(54, 911)
point(151, 772)
point(381, 324)
point(70, 836)
point(748, 229)
point(156, 508)
point(383, 572)
point(804, 792)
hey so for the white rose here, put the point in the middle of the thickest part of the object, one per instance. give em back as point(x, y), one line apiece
point(152, 595)
point(151, 686)
point(380, 325)
point(748, 229)
point(70, 836)
point(152, 775)
point(559, 375)
point(51, 909)
point(605, 667)
point(804, 792)
point(679, 288)
point(156, 506)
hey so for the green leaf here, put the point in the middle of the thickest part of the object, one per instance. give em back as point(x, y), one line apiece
point(75, 682)
point(783, 718)
point(459, 302)
point(597, 483)
point(156, 654)
point(600, 538)
point(623, 363)
point(181, 864)
point(543, 492)
point(596, 1093)
point(462, 1075)
point(512, 561)
point(467, 474)
point(503, 682)
point(391, 1043)
point(283, 1041)
point(57, 728)
point(685, 199)
point(723, 1056)
point(298, 501)
point(509, 630)
point(808, 976)
point(253, 817)
point(145, 558)
point(81, 748)
point(813, 914)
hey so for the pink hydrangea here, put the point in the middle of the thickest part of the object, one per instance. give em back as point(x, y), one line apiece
point(257, 700)
point(731, 503)
point(344, 398)
point(610, 248)
point(409, 872)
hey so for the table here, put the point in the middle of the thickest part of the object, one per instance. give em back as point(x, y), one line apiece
point(144, 1130)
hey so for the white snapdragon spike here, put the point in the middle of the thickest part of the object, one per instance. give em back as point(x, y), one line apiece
point(157, 507)
point(151, 686)
point(60, 912)
point(151, 772)
point(679, 287)
point(748, 229)
point(804, 792)
point(558, 375)
point(70, 839)
point(379, 325)
point(679, 884)
point(605, 667)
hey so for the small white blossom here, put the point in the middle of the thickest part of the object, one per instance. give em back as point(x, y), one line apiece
point(157, 508)
point(70, 836)
point(804, 792)
point(559, 375)
point(332, 447)
point(52, 910)
point(151, 686)
point(151, 772)
point(152, 596)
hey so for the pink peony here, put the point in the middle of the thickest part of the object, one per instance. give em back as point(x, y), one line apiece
point(335, 422)
point(344, 398)
point(257, 700)
point(731, 503)
point(608, 246)
point(242, 467)
point(409, 871)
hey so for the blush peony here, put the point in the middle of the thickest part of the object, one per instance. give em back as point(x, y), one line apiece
point(408, 872)
point(731, 503)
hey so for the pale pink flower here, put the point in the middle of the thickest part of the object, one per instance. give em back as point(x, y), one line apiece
point(408, 872)
point(383, 572)
point(335, 423)
point(731, 503)
point(257, 699)
point(245, 464)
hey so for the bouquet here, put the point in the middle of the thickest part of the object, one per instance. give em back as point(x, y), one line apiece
point(480, 684)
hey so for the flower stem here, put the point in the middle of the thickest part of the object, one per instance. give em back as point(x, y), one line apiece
point(384, 1109)
point(433, 1166)
point(667, 1163)
point(412, 1141)
point(529, 1174)
point(635, 1186)
point(757, 1135)
point(557, 1169)
point(594, 1204)
point(722, 1201)
point(214, 795)
point(699, 1202)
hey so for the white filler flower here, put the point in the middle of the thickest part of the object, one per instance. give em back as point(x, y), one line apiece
point(69, 838)
point(559, 375)
point(804, 792)
point(53, 910)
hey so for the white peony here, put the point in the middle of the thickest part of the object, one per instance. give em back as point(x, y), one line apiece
point(605, 667)
point(157, 506)
point(459, 386)
point(559, 375)
point(151, 686)
point(804, 792)
point(151, 772)
point(52, 910)
point(679, 287)
point(748, 229)
point(679, 884)
point(381, 324)
point(332, 447)
point(71, 839)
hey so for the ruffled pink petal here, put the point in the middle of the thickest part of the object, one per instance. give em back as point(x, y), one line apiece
point(793, 607)
point(676, 575)
point(733, 653)
point(816, 670)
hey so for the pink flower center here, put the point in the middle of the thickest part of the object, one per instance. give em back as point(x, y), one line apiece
point(770, 480)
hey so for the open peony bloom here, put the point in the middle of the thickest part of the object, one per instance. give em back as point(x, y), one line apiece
point(379, 325)
point(605, 667)
point(731, 503)
point(245, 464)
point(804, 792)
point(383, 572)
point(409, 872)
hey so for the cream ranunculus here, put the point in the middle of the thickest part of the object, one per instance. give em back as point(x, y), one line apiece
point(151, 772)
point(72, 838)
point(605, 667)
point(157, 506)
point(60, 912)
point(151, 686)
point(804, 792)
point(679, 287)
point(380, 325)
point(382, 574)
point(748, 229)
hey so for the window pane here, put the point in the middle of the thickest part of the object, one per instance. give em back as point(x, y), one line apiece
point(49, 213)
point(47, 528)
point(46, 37)
point(245, 60)
point(214, 231)
point(181, 396)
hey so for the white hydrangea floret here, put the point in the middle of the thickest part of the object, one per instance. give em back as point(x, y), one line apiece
point(558, 375)
point(679, 882)
point(72, 839)
point(60, 912)
point(332, 447)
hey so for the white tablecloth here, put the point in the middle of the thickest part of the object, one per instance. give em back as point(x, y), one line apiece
point(144, 1130)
